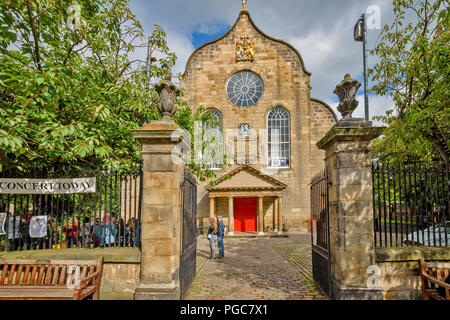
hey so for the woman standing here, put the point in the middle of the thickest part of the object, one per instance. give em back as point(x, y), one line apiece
point(71, 232)
point(212, 236)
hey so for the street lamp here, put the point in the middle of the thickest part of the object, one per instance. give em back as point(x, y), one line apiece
point(360, 34)
point(151, 57)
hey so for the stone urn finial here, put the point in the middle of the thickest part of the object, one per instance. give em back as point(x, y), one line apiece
point(346, 91)
point(168, 92)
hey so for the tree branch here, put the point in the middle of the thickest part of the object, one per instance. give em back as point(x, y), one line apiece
point(35, 36)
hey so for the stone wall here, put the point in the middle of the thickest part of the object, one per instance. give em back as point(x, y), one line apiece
point(121, 268)
point(287, 85)
point(322, 119)
point(119, 281)
point(399, 270)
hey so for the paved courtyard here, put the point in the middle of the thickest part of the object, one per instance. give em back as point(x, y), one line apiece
point(256, 269)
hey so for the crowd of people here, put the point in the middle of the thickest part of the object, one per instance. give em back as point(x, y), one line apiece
point(111, 231)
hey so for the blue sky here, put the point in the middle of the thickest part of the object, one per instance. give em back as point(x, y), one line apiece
point(199, 38)
point(321, 30)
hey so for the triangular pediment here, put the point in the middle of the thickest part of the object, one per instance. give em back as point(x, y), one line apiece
point(246, 178)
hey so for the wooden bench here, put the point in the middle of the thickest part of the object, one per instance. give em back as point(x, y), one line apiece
point(432, 276)
point(50, 279)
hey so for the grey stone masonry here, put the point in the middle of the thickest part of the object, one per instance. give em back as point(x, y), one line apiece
point(161, 213)
point(348, 163)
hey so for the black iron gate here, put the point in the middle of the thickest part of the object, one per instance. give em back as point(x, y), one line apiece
point(189, 234)
point(320, 232)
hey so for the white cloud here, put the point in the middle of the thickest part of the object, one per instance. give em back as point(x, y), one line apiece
point(321, 30)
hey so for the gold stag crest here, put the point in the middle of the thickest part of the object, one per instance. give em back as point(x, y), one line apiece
point(245, 48)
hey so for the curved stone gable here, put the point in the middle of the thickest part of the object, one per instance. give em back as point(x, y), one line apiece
point(245, 16)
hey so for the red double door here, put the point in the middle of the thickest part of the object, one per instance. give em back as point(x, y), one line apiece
point(245, 214)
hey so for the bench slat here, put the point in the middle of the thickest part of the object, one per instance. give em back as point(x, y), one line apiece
point(63, 275)
point(5, 270)
point(41, 274)
point(443, 265)
point(35, 292)
point(84, 271)
point(55, 275)
point(27, 272)
point(33, 274)
point(19, 274)
point(48, 275)
point(11, 274)
point(43, 261)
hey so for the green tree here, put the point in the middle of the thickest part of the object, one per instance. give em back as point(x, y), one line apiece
point(414, 68)
point(70, 92)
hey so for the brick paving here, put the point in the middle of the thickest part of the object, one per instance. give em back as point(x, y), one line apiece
point(256, 269)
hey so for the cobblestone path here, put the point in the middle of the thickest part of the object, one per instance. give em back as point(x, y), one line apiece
point(256, 269)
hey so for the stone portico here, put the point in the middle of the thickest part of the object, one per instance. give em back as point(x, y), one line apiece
point(251, 194)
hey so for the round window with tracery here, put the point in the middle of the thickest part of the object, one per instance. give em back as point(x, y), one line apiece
point(245, 88)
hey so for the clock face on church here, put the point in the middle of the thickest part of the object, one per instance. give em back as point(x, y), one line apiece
point(245, 88)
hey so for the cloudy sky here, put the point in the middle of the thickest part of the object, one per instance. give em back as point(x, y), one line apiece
point(321, 30)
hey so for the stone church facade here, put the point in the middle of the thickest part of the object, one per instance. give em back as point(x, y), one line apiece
point(253, 83)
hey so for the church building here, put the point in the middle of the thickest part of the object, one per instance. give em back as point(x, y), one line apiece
point(257, 88)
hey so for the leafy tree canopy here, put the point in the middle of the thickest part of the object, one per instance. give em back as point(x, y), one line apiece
point(414, 70)
point(69, 90)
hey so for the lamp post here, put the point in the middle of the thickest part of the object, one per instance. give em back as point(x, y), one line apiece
point(151, 57)
point(360, 34)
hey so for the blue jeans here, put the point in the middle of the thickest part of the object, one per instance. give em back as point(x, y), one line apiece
point(221, 248)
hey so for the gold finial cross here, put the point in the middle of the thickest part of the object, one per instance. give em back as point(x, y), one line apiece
point(244, 4)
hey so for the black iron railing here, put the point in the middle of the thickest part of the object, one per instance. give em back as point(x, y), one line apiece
point(411, 204)
point(108, 217)
point(320, 231)
point(189, 234)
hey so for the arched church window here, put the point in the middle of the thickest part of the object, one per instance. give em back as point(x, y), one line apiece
point(278, 125)
point(213, 140)
point(245, 88)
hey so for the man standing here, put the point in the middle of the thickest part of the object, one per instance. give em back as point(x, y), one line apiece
point(220, 235)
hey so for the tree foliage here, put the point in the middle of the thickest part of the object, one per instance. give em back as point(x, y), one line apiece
point(70, 91)
point(414, 70)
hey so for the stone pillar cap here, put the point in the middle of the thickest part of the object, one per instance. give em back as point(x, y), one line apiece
point(349, 134)
point(157, 129)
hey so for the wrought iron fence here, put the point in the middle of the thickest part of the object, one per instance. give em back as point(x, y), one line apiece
point(320, 231)
point(411, 204)
point(108, 217)
point(189, 234)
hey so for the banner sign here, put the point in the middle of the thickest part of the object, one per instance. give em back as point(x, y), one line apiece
point(51, 186)
point(2, 222)
point(38, 227)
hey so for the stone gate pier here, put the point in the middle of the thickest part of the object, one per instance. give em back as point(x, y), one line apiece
point(352, 249)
